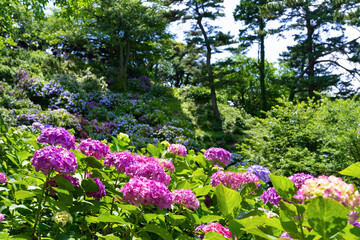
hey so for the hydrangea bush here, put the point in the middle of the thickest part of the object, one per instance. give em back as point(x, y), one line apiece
point(103, 190)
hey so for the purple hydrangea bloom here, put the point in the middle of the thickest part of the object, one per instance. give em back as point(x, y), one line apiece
point(150, 170)
point(186, 198)
point(120, 160)
point(261, 172)
point(59, 159)
point(145, 191)
point(177, 149)
point(233, 180)
point(3, 178)
point(214, 227)
point(2, 217)
point(57, 136)
point(93, 148)
point(271, 196)
point(218, 155)
point(285, 235)
point(299, 179)
point(100, 193)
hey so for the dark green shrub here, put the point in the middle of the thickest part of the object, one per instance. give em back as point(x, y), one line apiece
point(315, 137)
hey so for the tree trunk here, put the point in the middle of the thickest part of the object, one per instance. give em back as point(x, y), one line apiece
point(262, 65)
point(124, 60)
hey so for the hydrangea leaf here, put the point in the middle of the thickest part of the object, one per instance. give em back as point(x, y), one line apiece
point(22, 194)
point(155, 152)
point(214, 236)
point(326, 217)
point(93, 162)
point(162, 232)
point(353, 170)
point(89, 185)
point(284, 187)
point(228, 200)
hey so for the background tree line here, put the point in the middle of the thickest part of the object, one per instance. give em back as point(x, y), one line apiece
point(120, 39)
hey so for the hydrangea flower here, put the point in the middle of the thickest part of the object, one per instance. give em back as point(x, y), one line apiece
point(299, 179)
point(59, 159)
point(150, 170)
point(271, 196)
point(3, 178)
point(329, 187)
point(177, 149)
point(57, 136)
point(233, 180)
point(63, 218)
point(218, 155)
point(186, 198)
point(2, 217)
point(261, 172)
point(144, 191)
point(166, 164)
point(93, 148)
point(120, 160)
point(214, 227)
point(100, 193)
point(285, 235)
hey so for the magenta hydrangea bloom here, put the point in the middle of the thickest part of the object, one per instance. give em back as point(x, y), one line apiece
point(177, 149)
point(214, 227)
point(218, 155)
point(261, 172)
point(299, 179)
point(285, 235)
point(57, 136)
point(186, 198)
point(233, 180)
point(2, 217)
point(93, 148)
point(100, 193)
point(271, 196)
point(120, 160)
point(145, 191)
point(150, 170)
point(3, 178)
point(59, 159)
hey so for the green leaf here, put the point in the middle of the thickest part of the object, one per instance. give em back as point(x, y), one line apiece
point(284, 187)
point(107, 218)
point(326, 216)
point(228, 201)
point(3, 127)
point(176, 219)
point(214, 236)
point(89, 185)
point(149, 216)
point(288, 219)
point(22, 194)
point(203, 190)
point(64, 183)
point(162, 232)
point(210, 218)
point(109, 237)
point(65, 196)
point(353, 170)
point(155, 152)
point(93, 162)
point(23, 155)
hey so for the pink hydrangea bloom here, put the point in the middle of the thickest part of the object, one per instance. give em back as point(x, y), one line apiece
point(271, 196)
point(177, 149)
point(214, 227)
point(57, 136)
point(2, 217)
point(150, 170)
point(186, 198)
point(100, 193)
point(3, 178)
point(166, 164)
point(144, 191)
point(59, 159)
point(120, 160)
point(218, 155)
point(329, 187)
point(233, 180)
point(93, 148)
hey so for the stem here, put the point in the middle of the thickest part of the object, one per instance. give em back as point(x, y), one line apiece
point(300, 222)
point(115, 186)
point(137, 219)
point(39, 209)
